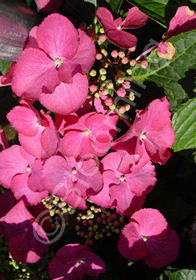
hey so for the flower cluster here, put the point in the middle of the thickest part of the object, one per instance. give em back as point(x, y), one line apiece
point(73, 152)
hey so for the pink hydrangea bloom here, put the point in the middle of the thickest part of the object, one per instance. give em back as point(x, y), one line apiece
point(114, 28)
point(73, 180)
point(54, 65)
point(126, 182)
point(38, 136)
point(26, 239)
point(16, 170)
point(148, 237)
point(73, 261)
point(183, 21)
point(48, 5)
point(151, 134)
point(92, 134)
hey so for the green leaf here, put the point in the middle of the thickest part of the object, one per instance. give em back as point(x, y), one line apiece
point(184, 125)
point(4, 66)
point(115, 4)
point(167, 73)
point(161, 11)
point(183, 274)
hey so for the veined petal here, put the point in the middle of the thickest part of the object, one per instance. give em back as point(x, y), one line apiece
point(67, 98)
point(34, 73)
point(134, 19)
point(57, 36)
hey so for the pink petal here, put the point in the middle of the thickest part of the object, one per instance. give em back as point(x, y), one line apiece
point(23, 120)
point(142, 180)
point(32, 39)
point(105, 18)
point(57, 36)
point(22, 191)
point(11, 163)
point(76, 143)
point(27, 241)
point(85, 55)
point(93, 264)
point(48, 5)
point(55, 176)
point(161, 252)
point(134, 19)
point(67, 98)
point(73, 262)
point(34, 73)
point(130, 245)
point(151, 221)
point(125, 202)
point(183, 21)
point(121, 38)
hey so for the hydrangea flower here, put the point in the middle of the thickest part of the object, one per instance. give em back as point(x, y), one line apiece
point(148, 237)
point(114, 29)
point(54, 65)
point(73, 261)
point(126, 182)
point(151, 135)
point(92, 134)
point(72, 180)
point(38, 136)
point(26, 239)
point(183, 21)
point(16, 170)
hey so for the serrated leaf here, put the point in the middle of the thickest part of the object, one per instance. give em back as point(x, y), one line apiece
point(183, 274)
point(184, 125)
point(167, 73)
point(4, 66)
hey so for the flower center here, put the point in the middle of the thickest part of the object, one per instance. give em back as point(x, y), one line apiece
point(29, 168)
point(145, 238)
point(143, 135)
point(122, 178)
point(86, 132)
point(74, 171)
point(58, 62)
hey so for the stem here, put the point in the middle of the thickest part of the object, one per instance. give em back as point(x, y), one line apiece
point(147, 51)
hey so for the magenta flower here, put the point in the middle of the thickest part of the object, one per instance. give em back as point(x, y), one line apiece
point(16, 170)
point(73, 180)
point(151, 134)
point(73, 261)
point(48, 5)
point(26, 239)
point(126, 182)
point(53, 68)
point(114, 28)
point(183, 21)
point(38, 136)
point(92, 134)
point(148, 237)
